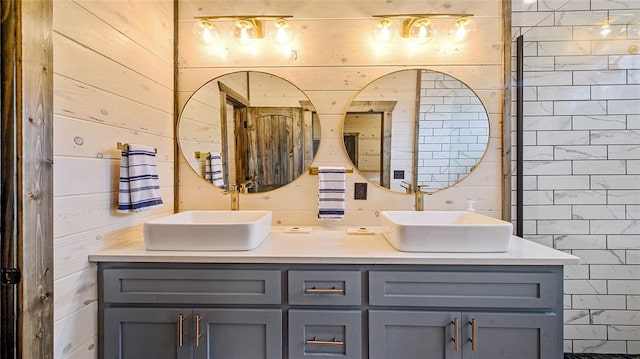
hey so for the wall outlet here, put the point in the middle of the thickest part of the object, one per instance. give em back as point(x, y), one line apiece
point(398, 174)
point(360, 191)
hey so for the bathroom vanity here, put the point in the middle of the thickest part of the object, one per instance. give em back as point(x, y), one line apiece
point(328, 294)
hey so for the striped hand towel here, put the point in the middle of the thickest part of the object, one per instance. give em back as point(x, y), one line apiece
point(331, 193)
point(213, 169)
point(139, 188)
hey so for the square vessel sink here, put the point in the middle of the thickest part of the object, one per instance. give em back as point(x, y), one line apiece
point(445, 231)
point(208, 231)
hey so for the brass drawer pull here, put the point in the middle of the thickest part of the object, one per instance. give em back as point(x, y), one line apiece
point(474, 335)
point(198, 318)
point(180, 329)
point(456, 338)
point(332, 290)
point(333, 341)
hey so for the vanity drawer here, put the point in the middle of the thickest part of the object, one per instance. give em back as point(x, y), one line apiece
point(462, 289)
point(325, 334)
point(192, 286)
point(324, 287)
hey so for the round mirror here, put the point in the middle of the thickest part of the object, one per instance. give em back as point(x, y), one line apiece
point(248, 129)
point(416, 128)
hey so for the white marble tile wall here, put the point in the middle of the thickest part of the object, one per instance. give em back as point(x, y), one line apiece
point(582, 160)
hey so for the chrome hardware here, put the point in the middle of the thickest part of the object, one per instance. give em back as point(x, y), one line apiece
point(456, 335)
point(197, 320)
point(180, 329)
point(332, 290)
point(474, 335)
point(333, 341)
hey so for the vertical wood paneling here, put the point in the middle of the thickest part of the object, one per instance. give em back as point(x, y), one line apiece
point(35, 228)
point(114, 79)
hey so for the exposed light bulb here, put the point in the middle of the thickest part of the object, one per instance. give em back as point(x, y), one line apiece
point(282, 34)
point(461, 30)
point(421, 31)
point(206, 32)
point(384, 32)
point(245, 32)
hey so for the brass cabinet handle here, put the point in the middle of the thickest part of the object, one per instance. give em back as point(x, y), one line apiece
point(332, 290)
point(456, 335)
point(197, 320)
point(333, 341)
point(474, 335)
point(180, 329)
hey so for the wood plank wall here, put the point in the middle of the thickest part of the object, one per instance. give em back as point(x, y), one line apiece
point(332, 58)
point(113, 82)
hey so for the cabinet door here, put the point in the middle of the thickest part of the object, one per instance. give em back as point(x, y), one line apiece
point(140, 333)
point(511, 335)
point(237, 333)
point(414, 335)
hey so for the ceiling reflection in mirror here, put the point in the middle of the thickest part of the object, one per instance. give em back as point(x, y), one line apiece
point(251, 130)
point(416, 128)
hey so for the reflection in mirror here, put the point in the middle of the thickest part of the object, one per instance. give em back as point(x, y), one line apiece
point(251, 130)
point(416, 128)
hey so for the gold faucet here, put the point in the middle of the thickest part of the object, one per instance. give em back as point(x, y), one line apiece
point(419, 197)
point(234, 191)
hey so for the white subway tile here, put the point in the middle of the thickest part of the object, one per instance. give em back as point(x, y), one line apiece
point(538, 108)
point(542, 63)
point(633, 122)
point(562, 93)
point(519, 6)
point(565, 5)
point(624, 107)
point(533, 168)
point(547, 123)
point(623, 197)
point(613, 77)
point(572, 331)
point(581, 63)
point(547, 212)
point(594, 32)
point(563, 182)
point(623, 241)
point(548, 78)
point(580, 197)
point(618, 122)
point(615, 92)
point(580, 17)
point(616, 317)
point(532, 19)
point(633, 302)
point(615, 286)
point(574, 108)
point(633, 167)
point(576, 271)
point(562, 227)
point(633, 257)
point(533, 153)
point(564, 48)
point(599, 346)
point(633, 31)
point(624, 62)
point(633, 347)
point(633, 76)
point(611, 47)
point(615, 182)
point(599, 212)
point(611, 271)
point(536, 197)
point(549, 33)
point(567, 346)
point(585, 286)
point(546, 240)
point(566, 301)
point(599, 167)
point(624, 152)
point(576, 317)
point(616, 137)
point(598, 301)
point(580, 152)
point(595, 256)
point(581, 242)
point(633, 212)
point(613, 4)
point(615, 227)
point(529, 228)
point(623, 332)
point(625, 16)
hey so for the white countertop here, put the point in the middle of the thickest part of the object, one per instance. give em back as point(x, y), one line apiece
point(334, 246)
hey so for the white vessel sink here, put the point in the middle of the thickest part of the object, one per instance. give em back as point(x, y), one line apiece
point(208, 231)
point(445, 231)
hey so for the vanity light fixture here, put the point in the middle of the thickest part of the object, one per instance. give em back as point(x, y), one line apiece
point(421, 28)
point(246, 28)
